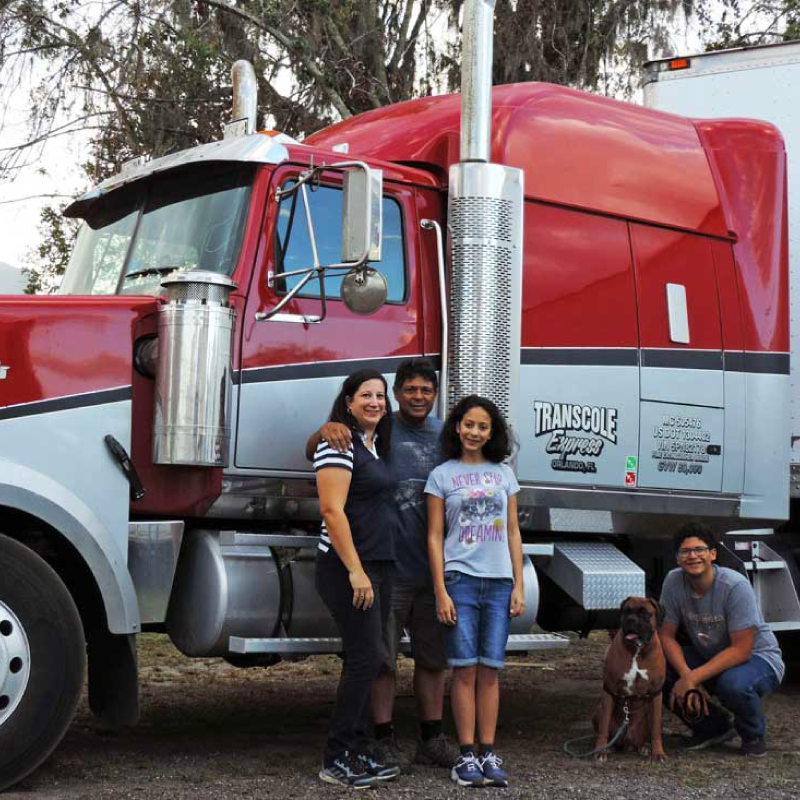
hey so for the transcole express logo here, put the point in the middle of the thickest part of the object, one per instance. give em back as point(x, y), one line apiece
point(558, 418)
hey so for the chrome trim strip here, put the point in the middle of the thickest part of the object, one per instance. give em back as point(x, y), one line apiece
point(761, 363)
point(325, 369)
point(648, 501)
point(581, 356)
point(84, 400)
point(682, 359)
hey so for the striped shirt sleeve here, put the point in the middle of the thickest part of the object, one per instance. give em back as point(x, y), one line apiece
point(327, 456)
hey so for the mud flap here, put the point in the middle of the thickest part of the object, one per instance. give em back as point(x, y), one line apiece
point(113, 679)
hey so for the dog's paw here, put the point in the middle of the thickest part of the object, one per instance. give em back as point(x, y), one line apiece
point(658, 756)
point(644, 750)
point(601, 758)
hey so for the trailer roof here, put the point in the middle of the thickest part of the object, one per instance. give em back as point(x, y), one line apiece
point(575, 148)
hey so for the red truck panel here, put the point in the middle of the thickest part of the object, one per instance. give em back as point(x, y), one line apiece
point(578, 288)
point(59, 346)
point(749, 162)
point(575, 148)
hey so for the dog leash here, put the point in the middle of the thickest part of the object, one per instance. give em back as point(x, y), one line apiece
point(568, 744)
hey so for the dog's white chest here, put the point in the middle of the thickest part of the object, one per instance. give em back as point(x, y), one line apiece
point(633, 673)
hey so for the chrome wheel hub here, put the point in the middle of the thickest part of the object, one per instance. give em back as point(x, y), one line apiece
point(15, 662)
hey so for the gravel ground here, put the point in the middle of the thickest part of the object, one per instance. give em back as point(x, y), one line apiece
point(209, 730)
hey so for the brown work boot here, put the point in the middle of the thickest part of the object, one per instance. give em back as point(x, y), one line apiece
point(437, 752)
point(388, 752)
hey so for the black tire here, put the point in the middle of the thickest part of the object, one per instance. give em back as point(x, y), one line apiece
point(33, 597)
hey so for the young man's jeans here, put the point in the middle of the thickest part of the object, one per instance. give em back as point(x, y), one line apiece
point(739, 689)
point(361, 633)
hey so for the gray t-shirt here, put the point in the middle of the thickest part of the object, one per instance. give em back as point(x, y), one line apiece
point(476, 511)
point(415, 452)
point(730, 605)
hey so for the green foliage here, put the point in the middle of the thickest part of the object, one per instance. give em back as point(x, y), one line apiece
point(52, 255)
point(149, 77)
point(732, 23)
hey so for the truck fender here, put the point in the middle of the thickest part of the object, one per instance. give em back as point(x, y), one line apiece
point(40, 496)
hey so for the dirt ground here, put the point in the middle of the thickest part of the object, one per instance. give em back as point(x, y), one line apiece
point(209, 730)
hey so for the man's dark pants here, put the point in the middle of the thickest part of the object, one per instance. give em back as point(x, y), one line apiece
point(739, 689)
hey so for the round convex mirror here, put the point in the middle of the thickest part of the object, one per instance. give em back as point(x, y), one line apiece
point(364, 290)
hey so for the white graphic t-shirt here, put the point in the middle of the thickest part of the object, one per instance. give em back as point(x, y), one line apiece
point(476, 512)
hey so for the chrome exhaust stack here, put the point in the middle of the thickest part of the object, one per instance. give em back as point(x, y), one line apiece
point(245, 95)
point(485, 210)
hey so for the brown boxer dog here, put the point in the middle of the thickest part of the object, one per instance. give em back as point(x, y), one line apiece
point(634, 672)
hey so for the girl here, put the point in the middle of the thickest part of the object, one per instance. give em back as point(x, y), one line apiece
point(355, 561)
point(477, 574)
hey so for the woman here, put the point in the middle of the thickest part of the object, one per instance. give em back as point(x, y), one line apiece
point(477, 574)
point(355, 560)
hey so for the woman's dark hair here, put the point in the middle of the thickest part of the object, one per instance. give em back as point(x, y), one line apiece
point(496, 449)
point(694, 530)
point(339, 412)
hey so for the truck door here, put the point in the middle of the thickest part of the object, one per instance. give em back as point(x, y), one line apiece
point(579, 376)
point(291, 369)
point(681, 361)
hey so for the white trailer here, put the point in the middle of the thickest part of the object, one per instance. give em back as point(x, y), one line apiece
point(760, 82)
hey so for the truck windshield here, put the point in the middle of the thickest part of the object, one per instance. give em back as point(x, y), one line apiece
point(181, 221)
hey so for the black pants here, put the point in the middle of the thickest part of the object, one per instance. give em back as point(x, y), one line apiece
point(361, 633)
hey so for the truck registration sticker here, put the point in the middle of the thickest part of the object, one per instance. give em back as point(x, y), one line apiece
point(681, 444)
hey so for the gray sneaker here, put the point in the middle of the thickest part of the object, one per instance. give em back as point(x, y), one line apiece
point(388, 752)
point(437, 752)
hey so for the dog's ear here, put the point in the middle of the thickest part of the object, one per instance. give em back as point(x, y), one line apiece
point(659, 609)
point(622, 609)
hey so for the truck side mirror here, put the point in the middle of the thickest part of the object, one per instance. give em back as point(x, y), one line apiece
point(364, 290)
point(362, 214)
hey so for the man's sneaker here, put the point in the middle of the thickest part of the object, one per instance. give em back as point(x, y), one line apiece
point(387, 751)
point(757, 748)
point(346, 770)
point(383, 772)
point(492, 767)
point(699, 741)
point(467, 771)
point(439, 751)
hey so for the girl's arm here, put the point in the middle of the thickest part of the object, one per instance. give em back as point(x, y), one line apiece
point(333, 484)
point(517, 605)
point(445, 610)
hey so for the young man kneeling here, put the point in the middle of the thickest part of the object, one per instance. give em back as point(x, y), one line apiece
point(732, 653)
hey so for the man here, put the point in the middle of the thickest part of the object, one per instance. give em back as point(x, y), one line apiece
point(732, 653)
point(414, 453)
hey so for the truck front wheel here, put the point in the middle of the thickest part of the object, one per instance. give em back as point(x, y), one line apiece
point(42, 660)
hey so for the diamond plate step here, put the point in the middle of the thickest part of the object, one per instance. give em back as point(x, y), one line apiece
point(238, 644)
point(596, 575)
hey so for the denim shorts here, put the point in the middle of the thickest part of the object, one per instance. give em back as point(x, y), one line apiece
point(481, 630)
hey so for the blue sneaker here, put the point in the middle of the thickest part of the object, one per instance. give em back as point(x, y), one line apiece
point(467, 771)
point(492, 767)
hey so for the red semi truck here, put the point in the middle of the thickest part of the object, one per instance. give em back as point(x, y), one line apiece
point(614, 276)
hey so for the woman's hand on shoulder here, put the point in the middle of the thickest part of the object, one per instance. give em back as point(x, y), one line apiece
point(517, 605)
point(363, 593)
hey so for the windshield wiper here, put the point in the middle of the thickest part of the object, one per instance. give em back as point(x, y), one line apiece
point(151, 271)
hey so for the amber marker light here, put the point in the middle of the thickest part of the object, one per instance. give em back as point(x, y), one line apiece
point(678, 63)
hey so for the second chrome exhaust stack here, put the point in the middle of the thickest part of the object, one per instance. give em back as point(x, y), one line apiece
point(485, 225)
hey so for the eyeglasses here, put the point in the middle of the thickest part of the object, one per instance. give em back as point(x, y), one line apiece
point(685, 552)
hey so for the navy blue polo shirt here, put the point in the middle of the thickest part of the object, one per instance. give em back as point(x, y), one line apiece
point(370, 507)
